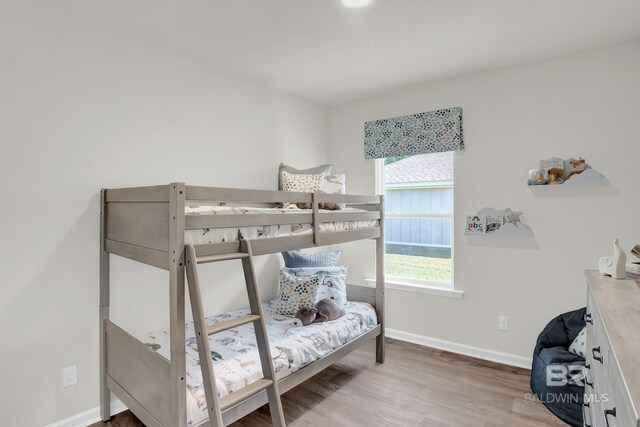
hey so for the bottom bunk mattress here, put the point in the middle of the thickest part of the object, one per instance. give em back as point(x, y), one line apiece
point(236, 361)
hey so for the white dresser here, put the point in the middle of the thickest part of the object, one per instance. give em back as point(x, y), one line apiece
point(612, 391)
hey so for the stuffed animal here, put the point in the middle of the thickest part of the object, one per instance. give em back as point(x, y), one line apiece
point(576, 166)
point(325, 310)
point(511, 216)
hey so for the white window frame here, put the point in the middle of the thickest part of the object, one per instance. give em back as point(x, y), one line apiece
point(409, 284)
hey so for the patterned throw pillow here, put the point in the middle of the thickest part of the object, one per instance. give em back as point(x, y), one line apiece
point(579, 344)
point(301, 183)
point(296, 292)
point(334, 184)
point(333, 284)
point(326, 169)
point(297, 259)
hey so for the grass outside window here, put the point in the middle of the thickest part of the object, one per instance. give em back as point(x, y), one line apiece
point(418, 267)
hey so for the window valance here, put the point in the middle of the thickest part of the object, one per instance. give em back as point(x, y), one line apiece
point(432, 132)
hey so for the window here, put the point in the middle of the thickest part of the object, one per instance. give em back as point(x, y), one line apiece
point(418, 194)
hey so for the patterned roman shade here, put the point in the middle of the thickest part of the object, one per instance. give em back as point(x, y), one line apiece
point(432, 132)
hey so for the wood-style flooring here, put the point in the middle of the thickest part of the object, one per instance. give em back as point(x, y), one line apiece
point(416, 386)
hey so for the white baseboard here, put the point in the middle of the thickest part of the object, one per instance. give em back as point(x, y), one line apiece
point(467, 350)
point(90, 416)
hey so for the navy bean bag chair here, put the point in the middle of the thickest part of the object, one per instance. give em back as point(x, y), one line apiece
point(562, 389)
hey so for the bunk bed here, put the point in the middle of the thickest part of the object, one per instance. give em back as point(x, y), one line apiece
point(159, 226)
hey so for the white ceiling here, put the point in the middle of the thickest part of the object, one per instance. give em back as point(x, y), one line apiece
point(322, 51)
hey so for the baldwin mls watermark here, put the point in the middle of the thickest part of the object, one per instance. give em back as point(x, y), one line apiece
point(562, 375)
point(566, 398)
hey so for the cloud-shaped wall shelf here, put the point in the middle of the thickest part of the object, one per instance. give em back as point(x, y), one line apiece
point(514, 229)
point(588, 178)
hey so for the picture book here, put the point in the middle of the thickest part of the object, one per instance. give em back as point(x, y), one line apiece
point(554, 162)
point(494, 222)
point(633, 275)
point(555, 170)
point(476, 224)
point(538, 177)
point(633, 266)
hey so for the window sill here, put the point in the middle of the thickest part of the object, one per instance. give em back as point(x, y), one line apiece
point(421, 289)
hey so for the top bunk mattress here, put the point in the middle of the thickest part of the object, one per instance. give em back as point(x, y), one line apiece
point(222, 235)
point(236, 361)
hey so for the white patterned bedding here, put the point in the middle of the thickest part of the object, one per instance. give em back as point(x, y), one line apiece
point(204, 236)
point(236, 361)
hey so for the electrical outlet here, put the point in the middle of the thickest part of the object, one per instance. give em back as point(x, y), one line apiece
point(503, 323)
point(69, 376)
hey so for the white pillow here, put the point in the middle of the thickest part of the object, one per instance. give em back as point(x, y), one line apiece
point(301, 183)
point(334, 184)
point(296, 292)
point(579, 344)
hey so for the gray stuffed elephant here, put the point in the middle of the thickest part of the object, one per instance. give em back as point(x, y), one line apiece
point(324, 311)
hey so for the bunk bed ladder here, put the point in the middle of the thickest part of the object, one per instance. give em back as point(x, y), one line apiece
point(269, 383)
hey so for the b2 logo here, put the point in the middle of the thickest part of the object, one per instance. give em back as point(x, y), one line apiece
point(561, 375)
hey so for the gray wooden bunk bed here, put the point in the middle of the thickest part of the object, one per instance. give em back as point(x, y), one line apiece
point(148, 224)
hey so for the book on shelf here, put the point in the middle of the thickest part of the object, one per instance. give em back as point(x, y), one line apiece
point(538, 176)
point(635, 251)
point(555, 170)
point(633, 266)
point(494, 222)
point(476, 224)
point(633, 275)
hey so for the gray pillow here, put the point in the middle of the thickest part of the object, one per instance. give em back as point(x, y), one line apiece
point(311, 171)
point(298, 259)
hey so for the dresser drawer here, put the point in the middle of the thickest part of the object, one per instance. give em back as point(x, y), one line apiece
point(598, 350)
point(591, 402)
point(619, 410)
point(612, 382)
point(588, 317)
point(606, 400)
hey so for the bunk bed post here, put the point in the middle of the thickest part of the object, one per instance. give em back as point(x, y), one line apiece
point(380, 285)
point(316, 224)
point(105, 394)
point(178, 413)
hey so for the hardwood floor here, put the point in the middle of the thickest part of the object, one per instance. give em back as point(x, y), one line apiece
point(416, 386)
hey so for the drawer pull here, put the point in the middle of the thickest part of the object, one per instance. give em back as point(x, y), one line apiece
point(599, 357)
point(587, 318)
point(586, 382)
point(608, 412)
point(587, 366)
